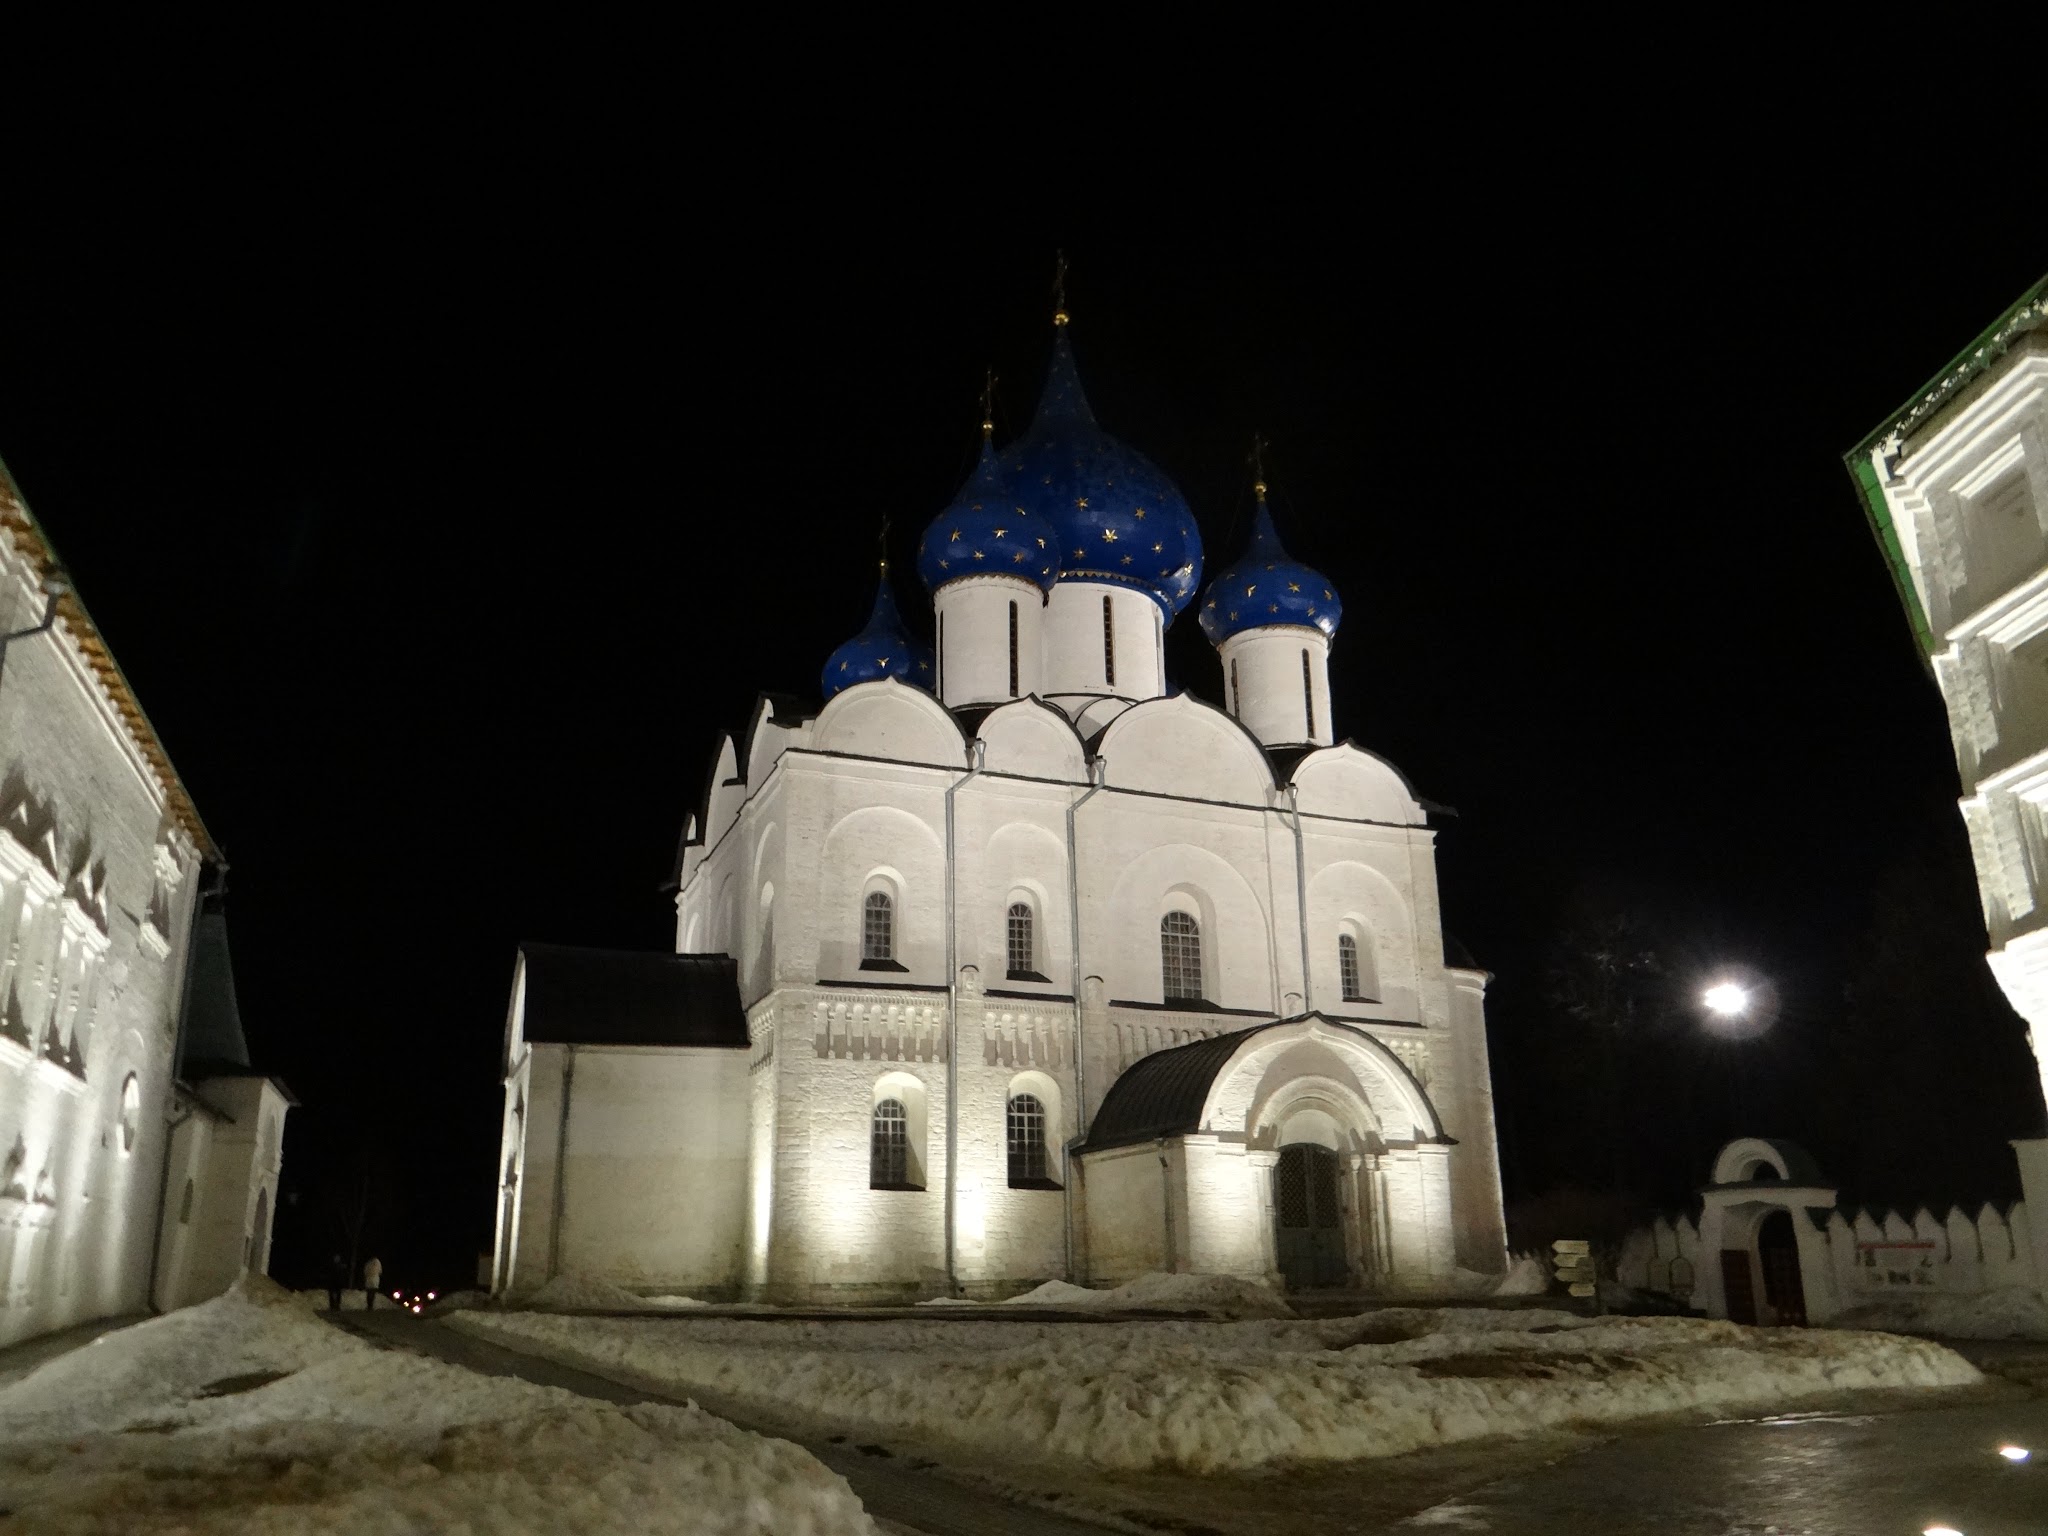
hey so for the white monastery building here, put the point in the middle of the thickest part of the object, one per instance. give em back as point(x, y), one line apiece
point(1013, 963)
point(139, 1153)
point(1956, 487)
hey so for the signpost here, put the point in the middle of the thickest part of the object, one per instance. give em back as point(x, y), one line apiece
point(1572, 1258)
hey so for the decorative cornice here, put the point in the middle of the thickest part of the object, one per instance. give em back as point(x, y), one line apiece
point(77, 624)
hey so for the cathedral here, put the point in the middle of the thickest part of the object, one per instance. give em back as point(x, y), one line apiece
point(1013, 962)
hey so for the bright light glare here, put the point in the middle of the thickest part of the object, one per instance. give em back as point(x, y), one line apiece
point(1727, 998)
point(1941, 1530)
point(430, 1295)
point(2014, 1452)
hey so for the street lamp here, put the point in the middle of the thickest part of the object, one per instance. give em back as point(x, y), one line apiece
point(1726, 999)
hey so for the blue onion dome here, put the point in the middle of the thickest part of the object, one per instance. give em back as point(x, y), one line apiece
point(1267, 585)
point(986, 533)
point(1116, 515)
point(883, 649)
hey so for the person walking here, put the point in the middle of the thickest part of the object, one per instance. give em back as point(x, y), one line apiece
point(337, 1277)
point(373, 1276)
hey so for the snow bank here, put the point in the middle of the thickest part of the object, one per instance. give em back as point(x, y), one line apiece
point(1211, 1295)
point(1525, 1277)
point(1217, 1397)
point(245, 1414)
point(2003, 1314)
point(588, 1293)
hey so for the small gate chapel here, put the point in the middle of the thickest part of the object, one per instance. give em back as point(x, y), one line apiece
point(1013, 962)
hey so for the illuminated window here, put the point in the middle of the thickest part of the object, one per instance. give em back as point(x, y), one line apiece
point(1180, 957)
point(1108, 643)
point(877, 929)
point(1028, 1165)
point(1023, 956)
point(1347, 968)
point(889, 1147)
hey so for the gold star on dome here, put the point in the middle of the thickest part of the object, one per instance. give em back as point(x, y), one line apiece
point(1139, 514)
point(1210, 604)
point(1311, 610)
point(1080, 554)
point(881, 661)
point(1233, 615)
point(1127, 559)
point(1109, 535)
point(1041, 543)
point(1018, 558)
point(1156, 548)
point(945, 565)
point(842, 666)
point(1081, 501)
point(955, 539)
point(1248, 591)
point(977, 554)
point(1294, 586)
point(924, 666)
point(1327, 592)
point(1001, 531)
point(1269, 565)
point(1272, 607)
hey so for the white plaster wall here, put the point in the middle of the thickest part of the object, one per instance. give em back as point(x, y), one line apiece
point(655, 1187)
point(1125, 1191)
point(235, 1162)
point(1229, 1217)
point(974, 632)
point(1262, 670)
point(75, 790)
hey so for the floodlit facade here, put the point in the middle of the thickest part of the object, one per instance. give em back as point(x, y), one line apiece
point(1956, 487)
point(139, 1154)
point(1012, 963)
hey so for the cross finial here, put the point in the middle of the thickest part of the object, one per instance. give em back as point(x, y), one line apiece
point(1258, 464)
point(1059, 289)
point(988, 405)
point(882, 545)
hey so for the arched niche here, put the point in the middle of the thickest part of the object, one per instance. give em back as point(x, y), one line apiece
point(1236, 948)
point(1313, 1063)
point(881, 847)
point(1350, 896)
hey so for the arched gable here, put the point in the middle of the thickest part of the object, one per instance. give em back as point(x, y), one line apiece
point(1786, 1161)
point(890, 720)
point(1316, 1063)
point(1181, 746)
point(1032, 739)
point(1348, 781)
point(771, 733)
point(724, 795)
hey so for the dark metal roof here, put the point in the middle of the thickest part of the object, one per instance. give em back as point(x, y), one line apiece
point(214, 1042)
point(1162, 1094)
point(629, 997)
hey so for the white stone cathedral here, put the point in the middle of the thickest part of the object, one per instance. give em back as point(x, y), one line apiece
point(1012, 962)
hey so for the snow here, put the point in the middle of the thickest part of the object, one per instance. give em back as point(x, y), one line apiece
point(1221, 1397)
point(1210, 1295)
point(2002, 1314)
point(588, 1293)
point(1527, 1276)
point(247, 1414)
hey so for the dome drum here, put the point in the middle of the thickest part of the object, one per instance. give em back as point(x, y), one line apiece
point(1277, 681)
point(1104, 638)
point(991, 632)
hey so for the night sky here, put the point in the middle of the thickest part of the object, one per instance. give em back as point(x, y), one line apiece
point(441, 537)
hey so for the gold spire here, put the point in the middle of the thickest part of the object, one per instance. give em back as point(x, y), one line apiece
point(988, 405)
point(1258, 463)
point(1059, 289)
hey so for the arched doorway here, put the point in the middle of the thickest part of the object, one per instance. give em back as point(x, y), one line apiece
point(1777, 1250)
point(1309, 1218)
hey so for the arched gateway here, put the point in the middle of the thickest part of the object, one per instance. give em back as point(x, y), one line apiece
point(1303, 1152)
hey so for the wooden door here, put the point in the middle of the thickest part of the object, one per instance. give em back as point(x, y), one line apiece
point(1735, 1284)
point(1777, 1245)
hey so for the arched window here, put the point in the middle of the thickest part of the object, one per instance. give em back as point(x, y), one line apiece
point(889, 1147)
point(1022, 943)
point(1028, 1166)
point(1180, 957)
point(1347, 968)
point(877, 929)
